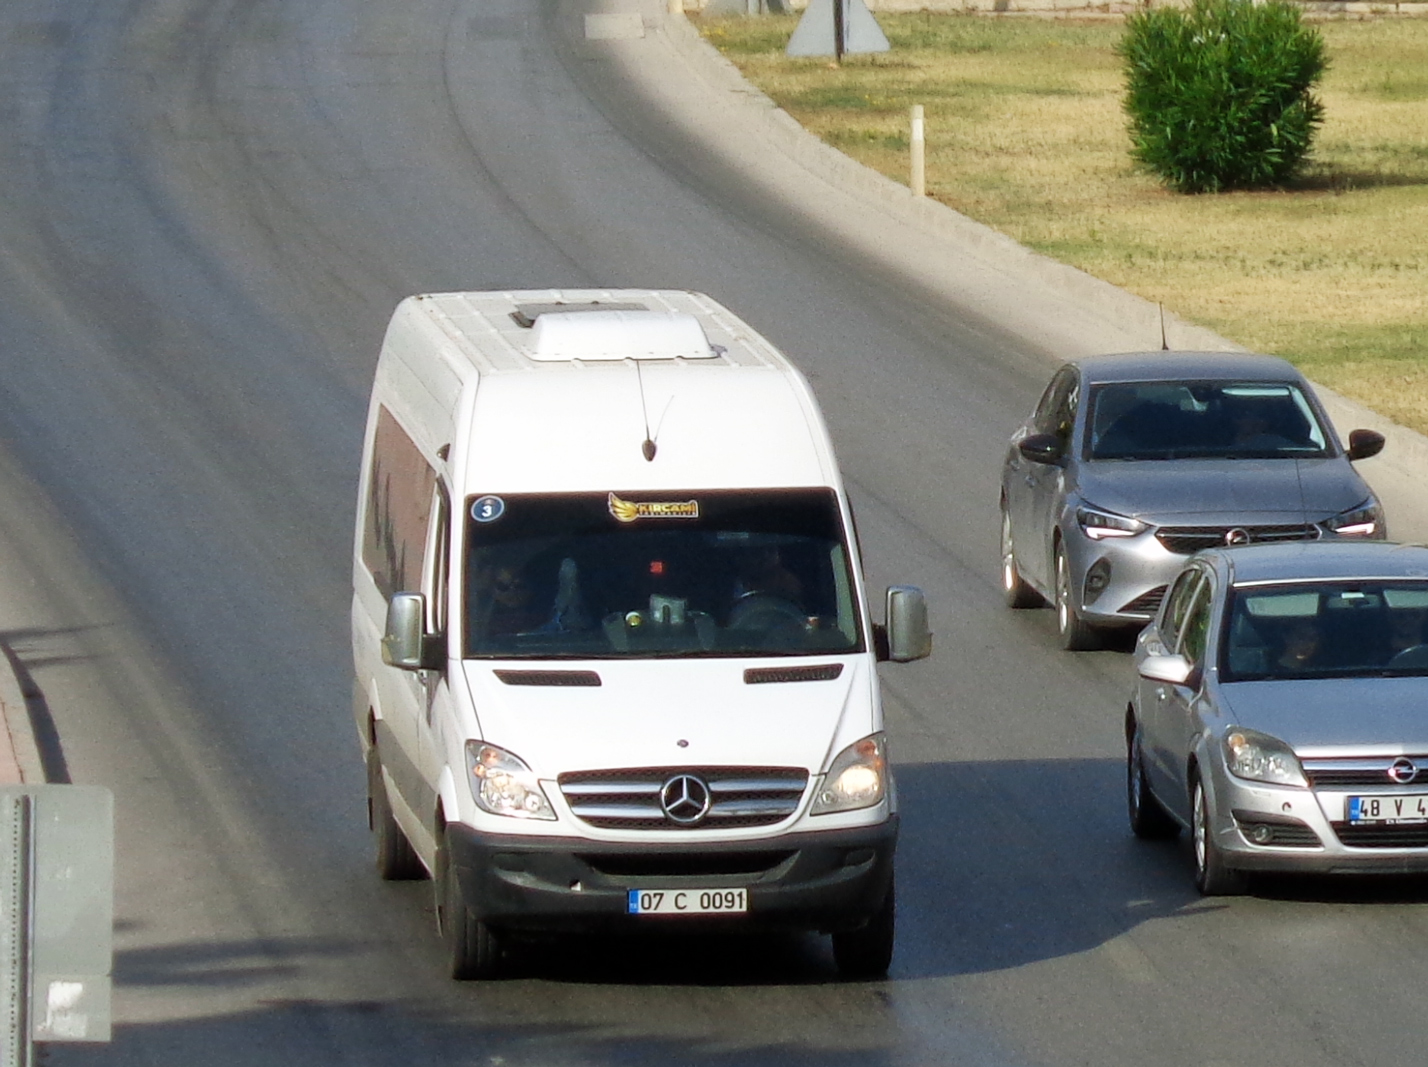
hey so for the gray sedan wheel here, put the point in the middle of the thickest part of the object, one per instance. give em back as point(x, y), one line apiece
point(1017, 592)
point(1148, 819)
point(1075, 635)
point(1212, 877)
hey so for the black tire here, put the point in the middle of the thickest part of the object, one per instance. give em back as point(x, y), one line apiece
point(1074, 633)
point(1015, 590)
point(396, 859)
point(1148, 818)
point(867, 952)
point(1213, 878)
point(472, 950)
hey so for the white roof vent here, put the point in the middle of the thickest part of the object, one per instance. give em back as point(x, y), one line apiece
point(614, 335)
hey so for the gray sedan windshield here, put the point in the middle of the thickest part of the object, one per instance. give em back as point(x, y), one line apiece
point(1339, 630)
point(1211, 419)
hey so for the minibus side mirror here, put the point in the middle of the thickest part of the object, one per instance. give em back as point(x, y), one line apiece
point(906, 632)
point(406, 645)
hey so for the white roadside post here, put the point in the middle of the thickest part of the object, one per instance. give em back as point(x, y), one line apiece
point(919, 153)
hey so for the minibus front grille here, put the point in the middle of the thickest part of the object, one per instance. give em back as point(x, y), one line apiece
point(638, 799)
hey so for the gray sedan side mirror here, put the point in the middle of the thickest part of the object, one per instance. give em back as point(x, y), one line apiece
point(1042, 448)
point(406, 645)
point(1175, 670)
point(1365, 443)
point(908, 637)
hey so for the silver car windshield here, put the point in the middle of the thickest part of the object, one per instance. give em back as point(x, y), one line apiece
point(1337, 630)
point(1202, 420)
point(699, 573)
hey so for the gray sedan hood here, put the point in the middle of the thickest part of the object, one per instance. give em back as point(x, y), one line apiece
point(1238, 490)
point(1327, 715)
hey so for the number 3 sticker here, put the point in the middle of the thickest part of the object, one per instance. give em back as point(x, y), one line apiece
point(488, 509)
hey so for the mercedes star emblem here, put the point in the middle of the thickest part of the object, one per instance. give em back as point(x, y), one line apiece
point(685, 799)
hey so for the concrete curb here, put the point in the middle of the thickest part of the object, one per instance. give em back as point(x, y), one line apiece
point(19, 755)
point(945, 252)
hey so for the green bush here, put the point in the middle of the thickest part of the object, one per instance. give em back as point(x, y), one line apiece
point(1219, 94)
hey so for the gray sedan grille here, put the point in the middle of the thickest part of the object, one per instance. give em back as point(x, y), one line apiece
point(1349, 773)
point(1146, 604)
point(1189, 539)
point(1414, 835)
point(630, 799)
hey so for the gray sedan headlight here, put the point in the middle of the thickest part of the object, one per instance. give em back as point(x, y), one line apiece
point(1261, 758)
point(1365, 520)
point(503, 785)
point(1098, 525)
point(858, 777)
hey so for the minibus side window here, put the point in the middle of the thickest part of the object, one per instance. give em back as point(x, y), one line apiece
point(398, 510)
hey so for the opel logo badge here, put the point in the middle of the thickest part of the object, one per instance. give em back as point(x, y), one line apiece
point(1403, 770)
point(685, 799)
point(1237, 536)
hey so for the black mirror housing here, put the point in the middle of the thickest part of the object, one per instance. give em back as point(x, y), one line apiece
point(1042, 448)
point(1365, 443)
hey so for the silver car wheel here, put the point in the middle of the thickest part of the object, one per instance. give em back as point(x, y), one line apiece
point(1212, 877)
point(1075, 635)
point(1015, 590)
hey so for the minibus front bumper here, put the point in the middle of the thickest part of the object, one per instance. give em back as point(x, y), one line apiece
point(826, 881)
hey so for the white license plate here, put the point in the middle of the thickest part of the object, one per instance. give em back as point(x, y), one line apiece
point(1405, 809)
point(688, 901)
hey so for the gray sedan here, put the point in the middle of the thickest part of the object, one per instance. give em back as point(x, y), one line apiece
point(1130, 463)
point(1279, 711)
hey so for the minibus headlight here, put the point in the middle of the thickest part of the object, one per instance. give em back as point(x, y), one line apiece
point(503, 785)
point(857, 779)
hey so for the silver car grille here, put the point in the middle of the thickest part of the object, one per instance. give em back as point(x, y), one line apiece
point(1414, 835)
point(1372, 772)
point(1146, 604)
point(631, 799)
point(1186, 540)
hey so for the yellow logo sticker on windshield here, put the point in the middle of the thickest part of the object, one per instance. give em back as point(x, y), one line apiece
point(630, 510)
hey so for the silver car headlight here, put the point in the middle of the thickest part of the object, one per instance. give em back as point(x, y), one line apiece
point(1365, 520)
point(1261, 758)
point(857, 779)
point(1098, 525)
point(503, 785)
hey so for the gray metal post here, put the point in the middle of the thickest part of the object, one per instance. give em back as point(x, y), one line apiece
point(17, 856)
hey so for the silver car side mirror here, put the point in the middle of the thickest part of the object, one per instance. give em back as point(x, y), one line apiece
point(1175, 670)
point(908, 635)
point(406, 645)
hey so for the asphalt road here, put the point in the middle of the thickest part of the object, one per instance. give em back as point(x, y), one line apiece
point(210, 209)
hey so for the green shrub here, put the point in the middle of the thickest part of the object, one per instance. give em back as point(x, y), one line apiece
point(1219, 94)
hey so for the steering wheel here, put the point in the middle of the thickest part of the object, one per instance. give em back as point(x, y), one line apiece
point(757, 610)
point(1415, 657)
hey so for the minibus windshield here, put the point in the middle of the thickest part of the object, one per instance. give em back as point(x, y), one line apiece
point(669, 573)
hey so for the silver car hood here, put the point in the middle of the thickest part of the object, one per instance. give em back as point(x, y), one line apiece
point(1235, 490)
point(1326, 715)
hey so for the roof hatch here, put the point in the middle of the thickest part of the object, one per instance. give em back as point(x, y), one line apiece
point(616, 335)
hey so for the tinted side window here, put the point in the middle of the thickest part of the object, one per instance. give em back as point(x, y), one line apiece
point(1177, 601)
point(399, 499)
point(1057, 411)
point(1197, 626)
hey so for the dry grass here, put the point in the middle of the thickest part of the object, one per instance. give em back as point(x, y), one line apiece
point(1025, 133)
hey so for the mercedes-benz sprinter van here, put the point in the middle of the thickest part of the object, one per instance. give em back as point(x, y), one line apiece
point(614, 663)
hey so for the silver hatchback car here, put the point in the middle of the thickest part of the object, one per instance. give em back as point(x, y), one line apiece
point(1278, 712)
point(1132, 462)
